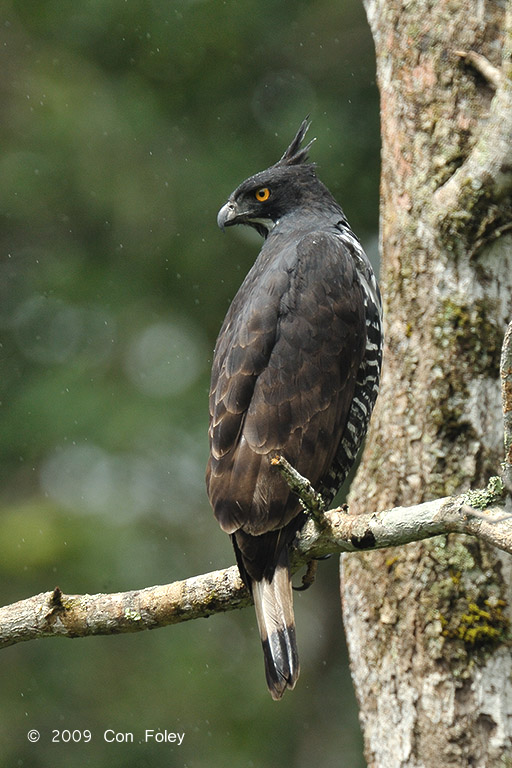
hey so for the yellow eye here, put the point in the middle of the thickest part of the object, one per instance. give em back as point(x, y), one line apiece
point(262, 194)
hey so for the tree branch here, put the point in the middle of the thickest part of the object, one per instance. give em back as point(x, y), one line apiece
point(506, 398)
point(54, 613)
point(485, 514)
point(492, 74)
point(309, 498)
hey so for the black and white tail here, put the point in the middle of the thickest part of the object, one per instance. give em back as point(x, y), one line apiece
point(273, 601)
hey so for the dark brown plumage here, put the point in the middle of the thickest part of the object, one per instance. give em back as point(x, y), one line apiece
point(295, 373)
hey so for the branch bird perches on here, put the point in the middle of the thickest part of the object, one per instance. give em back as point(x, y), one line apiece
point(486, 514)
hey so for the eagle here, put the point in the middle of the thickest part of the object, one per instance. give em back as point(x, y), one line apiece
point(295, 373)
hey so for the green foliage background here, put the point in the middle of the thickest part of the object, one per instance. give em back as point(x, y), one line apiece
point(125, 125)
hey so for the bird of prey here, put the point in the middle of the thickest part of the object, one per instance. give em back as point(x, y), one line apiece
point(295, 373)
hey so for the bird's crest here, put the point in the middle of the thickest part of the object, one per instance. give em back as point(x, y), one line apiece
point(294, 155)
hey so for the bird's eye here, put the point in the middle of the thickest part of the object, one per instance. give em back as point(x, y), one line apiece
point(262, 194)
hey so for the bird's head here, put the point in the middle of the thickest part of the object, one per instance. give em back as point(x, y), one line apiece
point(263, 199)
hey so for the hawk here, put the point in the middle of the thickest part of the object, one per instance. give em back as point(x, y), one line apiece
point(295, 373)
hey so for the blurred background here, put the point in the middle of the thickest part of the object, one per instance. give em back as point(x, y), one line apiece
point(125, 126)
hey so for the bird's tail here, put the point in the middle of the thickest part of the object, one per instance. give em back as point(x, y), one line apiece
point(273, 601)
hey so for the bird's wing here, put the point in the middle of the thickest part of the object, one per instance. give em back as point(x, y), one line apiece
point(283, 379)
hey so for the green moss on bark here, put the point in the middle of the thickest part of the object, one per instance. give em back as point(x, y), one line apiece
point(464, 603)
point(470, 334)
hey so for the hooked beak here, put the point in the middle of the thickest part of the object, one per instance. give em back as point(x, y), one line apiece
point(227, 215)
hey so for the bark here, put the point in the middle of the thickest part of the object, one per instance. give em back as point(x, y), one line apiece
point(428, 624)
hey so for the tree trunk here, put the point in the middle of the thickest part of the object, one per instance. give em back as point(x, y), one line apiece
point(428, 624)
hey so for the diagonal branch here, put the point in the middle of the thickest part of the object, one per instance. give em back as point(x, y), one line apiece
point(492, 74)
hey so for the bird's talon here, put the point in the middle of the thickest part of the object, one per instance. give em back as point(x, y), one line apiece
point(309, 577)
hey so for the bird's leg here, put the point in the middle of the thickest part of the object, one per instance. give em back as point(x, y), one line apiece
point(309, 577)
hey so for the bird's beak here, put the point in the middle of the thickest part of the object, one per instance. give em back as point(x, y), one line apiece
point(227, 215)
